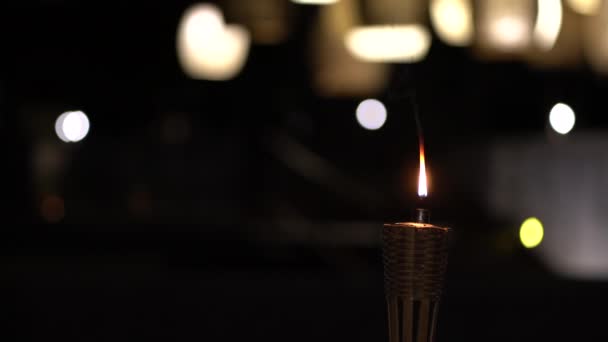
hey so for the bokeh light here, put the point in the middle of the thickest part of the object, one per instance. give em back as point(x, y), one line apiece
point(531, 232)
point(506, 25)
point(371, 114)
point(315, 2)
point(59, 127)
point(586, 7)
point(72, 126)
point(562, 118)
point(383, 43)
point(209, 49)
point(548, 23)
point(453, 21)
point(509, 32)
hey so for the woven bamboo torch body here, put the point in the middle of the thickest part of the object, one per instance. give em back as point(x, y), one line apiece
point(415, 261)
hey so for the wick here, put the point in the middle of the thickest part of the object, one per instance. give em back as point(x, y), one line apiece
point(423, 216)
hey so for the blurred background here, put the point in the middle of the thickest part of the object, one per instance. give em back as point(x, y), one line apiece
point(221, 170)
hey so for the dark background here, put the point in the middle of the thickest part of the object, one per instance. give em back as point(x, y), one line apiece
point(215, 236)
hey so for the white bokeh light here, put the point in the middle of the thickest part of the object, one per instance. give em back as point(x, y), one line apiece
point(59, 127)
point(371, 114)
point(562, 118)
point(207, 47)
point(72, 126)
point(453, 21)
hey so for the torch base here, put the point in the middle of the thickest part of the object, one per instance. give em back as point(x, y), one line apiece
point(412, 320)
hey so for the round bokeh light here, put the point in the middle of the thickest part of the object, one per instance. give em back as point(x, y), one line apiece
point(562, 118)
point(531, 232)
point(371, 114)
point(72, 126)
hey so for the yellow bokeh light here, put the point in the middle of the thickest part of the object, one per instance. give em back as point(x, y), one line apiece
point(586, 7)
point(531, 232)
point(506, 25)
point(315, 2)
point(453, 21)
point(389, 43)
point(207, 47)
point(548, 23)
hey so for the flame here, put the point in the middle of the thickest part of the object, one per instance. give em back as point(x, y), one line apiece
point(422, 188)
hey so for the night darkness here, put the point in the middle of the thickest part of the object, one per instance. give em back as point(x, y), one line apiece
point(252, 209)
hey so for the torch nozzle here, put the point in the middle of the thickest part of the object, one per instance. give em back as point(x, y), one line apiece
point(423, 216)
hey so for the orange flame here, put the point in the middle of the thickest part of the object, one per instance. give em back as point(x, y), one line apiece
point(422, 187)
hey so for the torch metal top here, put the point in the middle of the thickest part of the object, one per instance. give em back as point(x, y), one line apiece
point(422, 218)
point(416, 225)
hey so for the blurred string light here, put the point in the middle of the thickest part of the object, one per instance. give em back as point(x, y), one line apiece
point(72, 126)
point(506, 25)
point(548, 23)
point(585, 7)
point(562, 118)
point(531, 232)
point(389, 43)
point(209, 49)
point(315, 2)
point(371, 114)
point(453, 21)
